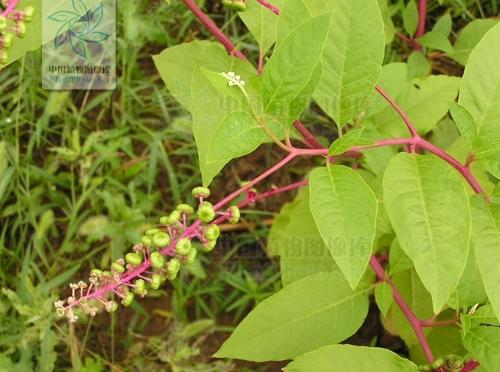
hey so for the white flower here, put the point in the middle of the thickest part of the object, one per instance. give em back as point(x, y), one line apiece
point(58, 304)
point(73, 286)
point(233, 79)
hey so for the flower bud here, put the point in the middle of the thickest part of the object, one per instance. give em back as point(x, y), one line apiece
point(201, 192)
point(157, 260)
point(211, 232)
point(437, 363)
point(238, 5)
point(133, 259)
point(96, 273)
point(206, 212)
point(183, 246)
point(21, 29)
point(161, 239)
point(156, 281)
point(4, 57)
point(111, 306)
point(115, 266)
point(127, 300)
point(185, 208)
point(234, 214)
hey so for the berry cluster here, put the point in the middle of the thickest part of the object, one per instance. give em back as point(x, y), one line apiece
point(12, 23)
point(157, 258)
point(238, 5)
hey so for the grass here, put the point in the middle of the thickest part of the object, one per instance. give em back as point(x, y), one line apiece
point(82, 174)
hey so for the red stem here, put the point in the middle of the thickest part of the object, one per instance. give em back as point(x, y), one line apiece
point(422, 15)
point(308, 136)
point(12, 5)
point(269, 6)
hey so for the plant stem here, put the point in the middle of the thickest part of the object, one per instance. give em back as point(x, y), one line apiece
point(269, 6)
point(308, 136)
point(422, 15)
point(392, 102)
point(213, 28)
point(12, 5)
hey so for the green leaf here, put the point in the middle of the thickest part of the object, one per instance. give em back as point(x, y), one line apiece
point(426, 102)
point(483, 343)
point(292, 73)
point(345, 210)
point(486, 239)
point(429, 210)
point(352, 60)
point(319, 310)
point(383, 297)
point(398, 260)
point(349, 358)
point(295, 238)
point(465, 123)
point(262, 23)
point(443, 25)
point(480, 95)
point(389, 28)
point(410, 18)
point(344, 143)
point(468, 38)
point(418, 66)
point(436, 40)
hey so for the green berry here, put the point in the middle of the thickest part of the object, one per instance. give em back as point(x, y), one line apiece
point(157, 260)
point(156, 281)
point(96, 273)
point(164, 220)
point(3, 23)
point(173, 267)
point(437, 363)
point(238, 5)
point(133, 259)
point(21, 29)
point(201, 192)
point(206, 212)
point(127, 300)
point(152, 232)
point(4, 57)
point(161, 239)
point(212, 232)
point(209, 246)
point(185, 208)
point(115, 266)
point(112, 307)
point(7, 40)
point(140, 287)
point(183, 246)
point(147, 241)
point(174, 217)
point(28, 12)
point(191, 256)
point(234, 214)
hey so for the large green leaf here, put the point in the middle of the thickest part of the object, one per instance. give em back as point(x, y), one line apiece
point(425, 101)
point(319, 310)
point(480, 95)
point(429, 210)
point(293, 71)
point(349, 358)
point(352, 60)
point(468, 38)
point(261, 22)
point(486, 239)
point(483, 343)
point(345, 210)
point(295, 238)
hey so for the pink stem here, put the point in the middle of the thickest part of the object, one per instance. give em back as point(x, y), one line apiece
point(12, 5)
point(269, 6)
point(422, 15)
point(308, 136)
point(213, 28)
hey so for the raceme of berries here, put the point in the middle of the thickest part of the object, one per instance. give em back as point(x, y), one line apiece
point(12, 23)
point(160, 255)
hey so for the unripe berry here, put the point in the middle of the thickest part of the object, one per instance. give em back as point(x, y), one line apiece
point(212, 232)
point(28, 13)
point(4, 57)
point(209, 245)
point(238, 5)
point(183, 246)
point(152, 232)
point(133, 259)
point(157, 260)
point(234, 213)
point(185, 208)
point(115, 266)
point(173, 218)
point(7, 40)
point(140, 287)
point(3, 23)
point(21, 29)
point(164, 220)
point(201, 192)
point(191, 256)
point(147, 241)
point(173, 267)
point(156, 281)
point(96, 273)
point(437, 363)
point(127, 300)
point(111, 307)
point(161, 239)
point(206, 212)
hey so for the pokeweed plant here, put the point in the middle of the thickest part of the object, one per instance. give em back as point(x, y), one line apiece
point(12, 23)
point(424, 220)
